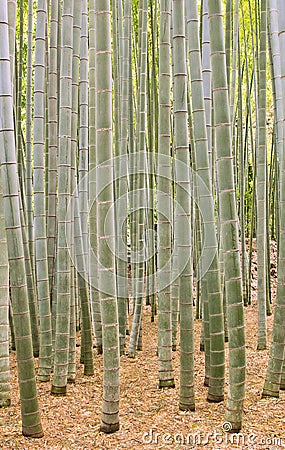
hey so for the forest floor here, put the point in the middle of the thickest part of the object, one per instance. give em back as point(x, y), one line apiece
point(149, 417)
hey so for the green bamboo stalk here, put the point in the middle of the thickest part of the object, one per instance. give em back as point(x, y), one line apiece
point(182, 230)
point(139, 185)
point(132, 138)
point(134, 51)
point(5, 389)
point(106, 229)
point(242, 178)
point(275, 369)
point(29, 157)
point(116, 52)
point(164, 204)
point(19, 88)
point(122, 197)
point(246, 165)
point(233, 63)
point(261, 167)
point(63, 276)
point(93, 268)
point(278, 104)
point(210, 262)
point(207, 85)
point(32, 291)
point(71, 373)
point(39, 198)
point(81, 201)
point(80, 264)
point(12, 14)
point(174, 295)
point(150, 195)
point(12, 329)
point(52, 140)
point(207, 89)
point(251, 83)
point(77, 13)
point(31, 424)
point(228, 37)
point(153, 148)
point(83, 156)
point(228, 220)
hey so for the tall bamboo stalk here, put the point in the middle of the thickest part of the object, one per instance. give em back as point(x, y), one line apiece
point(210, 261)
point(93, 267)
point(31, 424)
point(39, 197)
point(228, 219)
point(164, 204)
point(139, 180)
point(122, 202)
point(63, 269)
point(83, 148)
point(52, 139)
point(182, 231)
point(5, 392)
point(29, 169)
point(261, 240)
point(275, 368)
point(106, 228)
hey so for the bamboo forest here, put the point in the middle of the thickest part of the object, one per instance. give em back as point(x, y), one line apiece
point(142, 224)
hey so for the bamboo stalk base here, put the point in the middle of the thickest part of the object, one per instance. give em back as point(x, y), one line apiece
point(236, 427)
point(212, 398)
point(88, 372)
point(26, 431)
point(109, 427)
point(183, 407)
point(58, 390)
point(166, 384)
point(269, 394)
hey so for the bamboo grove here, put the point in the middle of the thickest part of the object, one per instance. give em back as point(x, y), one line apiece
point(142, 156)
